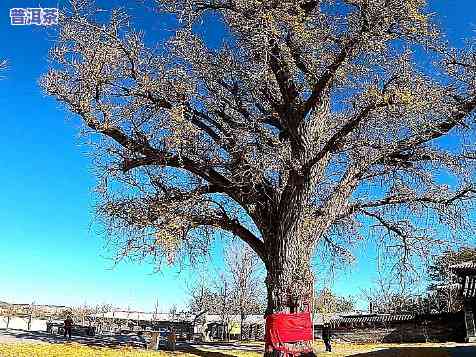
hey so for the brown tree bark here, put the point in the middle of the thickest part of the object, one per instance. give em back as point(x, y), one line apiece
point(289, 278)
point(289, 283)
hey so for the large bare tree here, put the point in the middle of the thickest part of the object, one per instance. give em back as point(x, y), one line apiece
point(313, 118)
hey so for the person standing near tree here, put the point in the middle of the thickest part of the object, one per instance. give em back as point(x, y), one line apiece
point(326, 337)
point(68, 326)
point(172, 338)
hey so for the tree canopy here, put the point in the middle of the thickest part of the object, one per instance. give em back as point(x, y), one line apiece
point(328, 94)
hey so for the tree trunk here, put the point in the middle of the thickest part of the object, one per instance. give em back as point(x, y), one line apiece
point(289, 283)
point(242, 318)
point(289, 245)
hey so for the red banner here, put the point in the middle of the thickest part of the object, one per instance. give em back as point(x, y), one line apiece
point(287, 328)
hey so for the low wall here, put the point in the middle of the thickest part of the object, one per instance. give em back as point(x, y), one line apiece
point(21, 323)
point(429, 328)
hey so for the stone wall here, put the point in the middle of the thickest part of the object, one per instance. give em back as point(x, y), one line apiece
point(21, 323)
point(425, 328)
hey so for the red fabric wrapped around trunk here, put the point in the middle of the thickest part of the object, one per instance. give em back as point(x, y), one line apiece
point(287, 328)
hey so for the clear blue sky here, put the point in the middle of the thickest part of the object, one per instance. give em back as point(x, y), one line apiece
point(48, 253)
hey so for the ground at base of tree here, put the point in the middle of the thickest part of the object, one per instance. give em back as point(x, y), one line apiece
point(72, 349)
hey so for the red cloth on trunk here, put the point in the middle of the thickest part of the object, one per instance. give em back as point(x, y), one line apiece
point(283, 327)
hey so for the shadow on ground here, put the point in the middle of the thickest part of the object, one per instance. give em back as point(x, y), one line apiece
point(114, 341)
point(202, 353)
point(103, 341)
point(456, 351)
point(227, 346)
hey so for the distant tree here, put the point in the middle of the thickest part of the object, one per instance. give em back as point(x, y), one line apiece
point(224, 292)
point(81, 314)
point(131, 320)
point(443, 282)
point(326, 302)
point(395, 303)
point(7, 311)
point(155, 314)
point(99, 319)
point(202, 302)
point(387, 296)
point(32, 313)
point(439, 271)
point(246, 281)
point(201, 298)
point(312, 119)
point(173, 313)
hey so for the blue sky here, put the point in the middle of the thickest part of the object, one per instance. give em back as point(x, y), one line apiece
point(48, 251)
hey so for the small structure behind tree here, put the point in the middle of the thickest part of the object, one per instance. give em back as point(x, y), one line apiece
point(394, 328)
point(466, 273)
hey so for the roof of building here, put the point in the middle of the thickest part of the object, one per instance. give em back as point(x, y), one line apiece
point(372, 318)
point(249, 319)
point(464, 268)
point(149, 316)
point(141, 316)
point(321, 319)
point(452, 286)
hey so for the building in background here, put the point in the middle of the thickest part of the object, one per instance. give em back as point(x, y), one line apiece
point(466, 273)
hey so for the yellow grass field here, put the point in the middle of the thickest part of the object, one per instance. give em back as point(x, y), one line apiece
point(341, 350)
point(77, 350)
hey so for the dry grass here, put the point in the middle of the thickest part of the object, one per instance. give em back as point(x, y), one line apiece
point(77, 350)
point(340, 350)
point(68, 350)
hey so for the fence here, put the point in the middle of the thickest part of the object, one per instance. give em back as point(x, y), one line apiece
point(22, 323)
